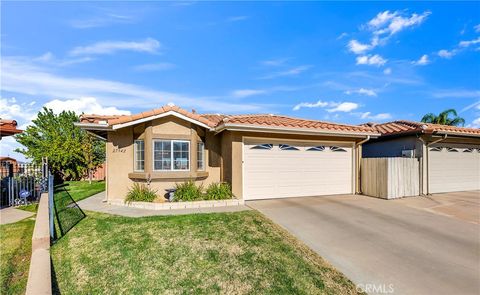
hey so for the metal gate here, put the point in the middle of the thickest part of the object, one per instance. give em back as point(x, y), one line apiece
point(22, 184)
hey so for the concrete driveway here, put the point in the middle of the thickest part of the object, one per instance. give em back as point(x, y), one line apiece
point(405, 246)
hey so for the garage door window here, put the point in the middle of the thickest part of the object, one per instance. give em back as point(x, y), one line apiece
point(264, 146)
point(436, 149)
point(452, 150)
point(468, 150)
point(337, 149)
point(286, 147)
point(319, 148)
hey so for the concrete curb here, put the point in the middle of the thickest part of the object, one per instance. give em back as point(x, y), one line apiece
point(178, 205)
point(40, 273)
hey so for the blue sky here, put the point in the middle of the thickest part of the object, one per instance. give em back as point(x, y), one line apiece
point(343, 62)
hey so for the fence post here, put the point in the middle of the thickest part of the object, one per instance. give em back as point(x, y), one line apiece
point(50, 206)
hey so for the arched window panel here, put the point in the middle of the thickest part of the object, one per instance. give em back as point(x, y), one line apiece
point(470, 150)
point(452, 150)
point(264, 146)
point(319, 148)
point(436, 149)
point(287, 147)
point(337, 149)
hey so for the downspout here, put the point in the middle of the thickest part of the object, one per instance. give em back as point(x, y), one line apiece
point(427, 158)
point(358, 186)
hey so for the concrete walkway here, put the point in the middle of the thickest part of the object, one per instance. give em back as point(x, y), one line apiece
point(11, 215)
point(95, 203)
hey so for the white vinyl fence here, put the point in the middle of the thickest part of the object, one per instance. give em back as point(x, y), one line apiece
point(390, 178)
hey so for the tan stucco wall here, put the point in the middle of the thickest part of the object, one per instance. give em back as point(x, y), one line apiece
point(232, 169)
point(120, 174)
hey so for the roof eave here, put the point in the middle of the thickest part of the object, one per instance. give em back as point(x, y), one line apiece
point(455, 133)
point(299, 131)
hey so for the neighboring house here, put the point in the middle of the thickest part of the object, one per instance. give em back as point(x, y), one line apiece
point(262, 156)
point(8, 128)
point(449, 155)
point(5, 163)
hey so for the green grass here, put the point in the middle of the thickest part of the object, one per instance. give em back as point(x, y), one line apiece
point(15, 252)
point(236, 253)
point(80, 190)
point(30, 207)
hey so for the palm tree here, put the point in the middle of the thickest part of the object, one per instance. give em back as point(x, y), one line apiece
point(444, 118)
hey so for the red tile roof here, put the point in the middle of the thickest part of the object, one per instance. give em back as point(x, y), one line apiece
point(403, 127)
point(217, 120)
point(8, 127)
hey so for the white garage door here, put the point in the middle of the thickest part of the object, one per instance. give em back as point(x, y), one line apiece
point(454, 168)
point(280, 169)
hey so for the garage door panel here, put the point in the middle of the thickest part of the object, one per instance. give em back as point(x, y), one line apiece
point(451, 171)
point(277, 173)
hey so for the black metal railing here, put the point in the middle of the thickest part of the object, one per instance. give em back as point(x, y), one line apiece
point(22, 184)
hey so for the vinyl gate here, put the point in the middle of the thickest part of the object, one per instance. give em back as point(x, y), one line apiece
point(22, 183)
point(390, 178)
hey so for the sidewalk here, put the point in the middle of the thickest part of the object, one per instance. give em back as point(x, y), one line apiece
point(95, 203)
point(11, 215)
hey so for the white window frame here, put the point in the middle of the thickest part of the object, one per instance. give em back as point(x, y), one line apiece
point(203, 155)
point(135, 160)
point(172, 141)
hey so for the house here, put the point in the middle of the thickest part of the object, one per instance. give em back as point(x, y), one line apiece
point(8, 128)
point(262, 156)
point(6, 163)
point(449, 155)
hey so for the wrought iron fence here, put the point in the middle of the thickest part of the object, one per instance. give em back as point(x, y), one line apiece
point(22, 184)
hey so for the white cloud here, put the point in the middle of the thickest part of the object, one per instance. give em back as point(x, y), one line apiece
point(377, 117)
point(446, 54)
point(390, 23)
point(357, 47)
point(49, 58)
point(318, 104)
point(87, 105)
point(148, 45)
point(11, 109)
point(422, 61)
point(475, 123)
point(21, 76)
point(237, 18)
point(247, 92)
point(477, 28)
point(343, 107)
point(362, 91)
point(475, 105)
point(342, 35)
point(274, 62)
point(456, 93)
point(373, 60)
point(104, 18)
point(290, 72)
point(162, 66)
point(468, 43)
point(387, 71)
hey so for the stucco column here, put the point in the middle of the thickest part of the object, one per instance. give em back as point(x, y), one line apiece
point(148, 148)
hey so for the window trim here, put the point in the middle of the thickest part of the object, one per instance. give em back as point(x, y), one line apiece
point(135, 155)
point(171, 155)
point(203, 155)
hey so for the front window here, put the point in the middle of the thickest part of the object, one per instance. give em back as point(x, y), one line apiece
point(139, 155)
point(200, 156)
point(171, 155)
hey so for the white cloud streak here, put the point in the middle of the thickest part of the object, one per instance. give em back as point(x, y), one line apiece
point(162, 66)
point(318, 104)
point(295, 71)
point(469, 43)
point(446, 53)
point(87, 105)
point(343, 107)
point(332, 106)
point(372, 60)
point(148, 45)
point(422, 61)
point(362, 91)
point(377, 117)
point(241, 93)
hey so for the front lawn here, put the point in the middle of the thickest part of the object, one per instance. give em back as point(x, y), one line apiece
point(15, 252)
point(237, 253)
point(80, 190)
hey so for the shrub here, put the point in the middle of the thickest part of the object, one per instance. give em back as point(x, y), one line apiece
point(188, 191)
point(140, 193)
point(219, 191)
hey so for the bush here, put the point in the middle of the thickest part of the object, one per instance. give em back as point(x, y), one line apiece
point(219, 191)
point(188, 191)
point(140, 193)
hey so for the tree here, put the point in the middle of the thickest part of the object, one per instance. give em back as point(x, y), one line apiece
point(444, 118)
point(71, 152)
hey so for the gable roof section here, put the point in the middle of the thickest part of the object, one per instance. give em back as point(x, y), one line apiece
point(219, 122)
point(8, 127)
point(403, 127)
